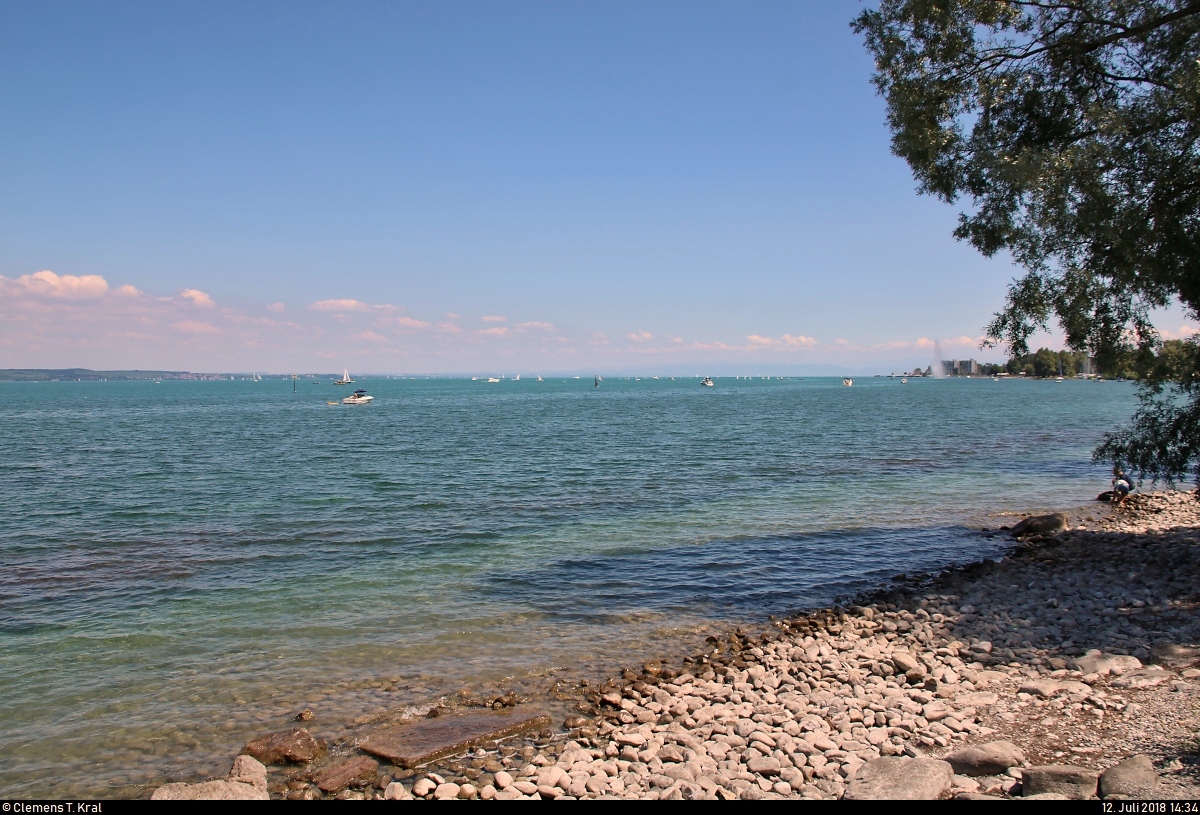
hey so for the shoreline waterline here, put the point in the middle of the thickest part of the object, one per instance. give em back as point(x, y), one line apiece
point(841, 651)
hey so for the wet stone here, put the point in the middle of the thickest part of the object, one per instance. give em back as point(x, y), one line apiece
point(342, 775)
point(426, 740)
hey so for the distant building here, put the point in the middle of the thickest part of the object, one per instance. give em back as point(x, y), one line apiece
point(961, 367)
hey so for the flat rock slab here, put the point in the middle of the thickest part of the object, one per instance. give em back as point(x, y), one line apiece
point(1145, 678)
point(425, 740)
point(894, 778)
point(1046, 688)
point(340, 776)
point(1175, 656)
point(1134, 777)
point(1098, 662)
point(1063, 779)
point(992, 758)
point(981, 698)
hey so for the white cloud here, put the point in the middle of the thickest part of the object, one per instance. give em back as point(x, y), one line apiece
point(640, 336)
point(278, 308)
point(197, 297)
point(494, 318)
point(49, 284)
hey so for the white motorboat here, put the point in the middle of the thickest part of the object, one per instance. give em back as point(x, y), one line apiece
point(707, 382)
point(359, 397)
point(345, 380)
point(847, 382)
point(493, 379)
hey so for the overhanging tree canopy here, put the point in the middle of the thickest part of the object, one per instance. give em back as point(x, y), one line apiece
point(1071, 128)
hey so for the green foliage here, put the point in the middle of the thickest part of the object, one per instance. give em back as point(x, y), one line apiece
point(1071, 130)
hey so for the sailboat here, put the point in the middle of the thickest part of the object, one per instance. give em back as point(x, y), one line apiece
point(345, 380)
point(597, 382)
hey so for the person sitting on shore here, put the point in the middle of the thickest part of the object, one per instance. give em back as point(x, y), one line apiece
point(1122, 485)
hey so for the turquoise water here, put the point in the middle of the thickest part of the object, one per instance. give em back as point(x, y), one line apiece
point(186, 564)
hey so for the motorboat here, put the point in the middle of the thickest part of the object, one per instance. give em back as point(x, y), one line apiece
point(707, 382)
point(493, 379)
point(847, 382)
point(345, 380)
point(904, 381)
point(359, 397)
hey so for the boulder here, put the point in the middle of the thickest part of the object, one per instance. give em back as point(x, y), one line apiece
point(1040, 525)
point(1098, 662)
point(343, 774)
point(297, 747)
point(247, 781)
point(1175, 656)
point(1134, 777)
point(1063, 779)
point(898, 778)
point(1145, 678)
point(992, 758)
point(1047, 688)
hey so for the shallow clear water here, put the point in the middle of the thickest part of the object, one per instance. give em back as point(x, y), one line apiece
point(186, 564)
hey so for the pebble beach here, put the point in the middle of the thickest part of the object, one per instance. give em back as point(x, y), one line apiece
point(1066, 669)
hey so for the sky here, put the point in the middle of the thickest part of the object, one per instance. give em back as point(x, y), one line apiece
point(438, 187)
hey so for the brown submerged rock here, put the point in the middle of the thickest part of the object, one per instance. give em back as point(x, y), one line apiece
point(409, 745)
point(340, 776)
point(296, 747)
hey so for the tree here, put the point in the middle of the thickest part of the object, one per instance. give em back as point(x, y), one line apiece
point(1069, 129)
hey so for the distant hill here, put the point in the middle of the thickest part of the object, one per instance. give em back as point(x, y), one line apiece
point(72, 374)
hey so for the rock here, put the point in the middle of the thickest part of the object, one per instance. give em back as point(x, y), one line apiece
point(977, 699)
point(343, 774)
point(905, 662)
point(992, 758)
point(396, 792)
point(1047, 688)
point(1073, 782)
point(935, 711)
point(634, 739)
point(423, 787)
point(210, 791)
point(247, 781)
point(1040, 525)
point(296, 746)
point(764, 765)
point(900, 779)
point(1145, 678)
point(446, 792)
point(1097, 662)
point(248, 770)
point(503, 780)
point(305, 715)
point(1175, 656)
point(417, 743)
point(1134, 777)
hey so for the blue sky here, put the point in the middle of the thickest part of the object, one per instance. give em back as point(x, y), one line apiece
point(625, 184)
